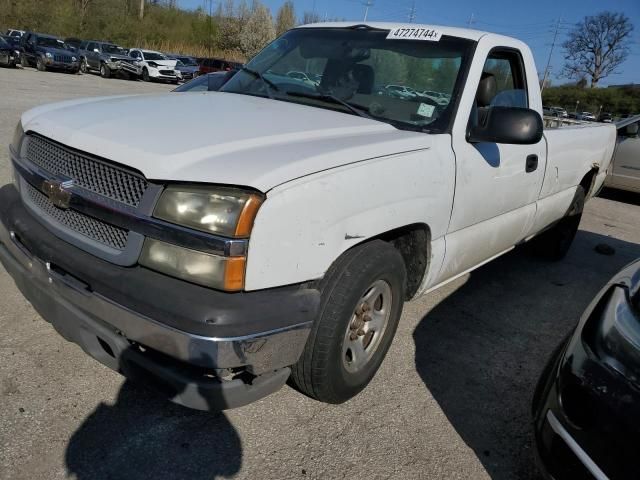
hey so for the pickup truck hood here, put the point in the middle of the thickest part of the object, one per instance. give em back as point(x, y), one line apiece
point(217, 137)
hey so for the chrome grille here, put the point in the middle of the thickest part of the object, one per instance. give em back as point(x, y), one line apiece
point(90, 227)
point(62, 58)
point(99, 177)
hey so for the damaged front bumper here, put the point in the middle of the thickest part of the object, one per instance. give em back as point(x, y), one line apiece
point(225, 352)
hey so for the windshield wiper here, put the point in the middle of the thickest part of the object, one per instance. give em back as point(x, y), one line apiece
point(326, 97)
point(270, 85)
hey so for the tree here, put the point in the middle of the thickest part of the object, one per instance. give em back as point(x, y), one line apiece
point(310, 17)
point(597, 46)
point(257, 31)
point(286, 18)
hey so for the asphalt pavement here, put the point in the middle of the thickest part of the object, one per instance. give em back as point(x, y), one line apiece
point(451, 400)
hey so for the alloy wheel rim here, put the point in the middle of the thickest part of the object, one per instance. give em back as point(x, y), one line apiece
point(367, 326)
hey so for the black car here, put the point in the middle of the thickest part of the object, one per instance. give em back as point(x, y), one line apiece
point(9, 54)
point(587, 403)
point(48, 52)
point(210, 82)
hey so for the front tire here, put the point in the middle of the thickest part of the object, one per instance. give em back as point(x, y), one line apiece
point(361, 303)
point(554, 244)
point(145, 75)
point(84, 68)
point(24, 61)
point(105, 72)
point(40, 65)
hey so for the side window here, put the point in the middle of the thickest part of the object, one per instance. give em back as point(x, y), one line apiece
point(507, 68)
point(91, 46)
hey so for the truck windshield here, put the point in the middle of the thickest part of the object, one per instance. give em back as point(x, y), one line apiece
point(410, 84)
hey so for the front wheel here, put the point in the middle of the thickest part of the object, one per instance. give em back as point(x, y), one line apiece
point(40, 65)
point(361, 303)
point(24, 61)
point(84, 68)
point(105, 72)
point(145, 75)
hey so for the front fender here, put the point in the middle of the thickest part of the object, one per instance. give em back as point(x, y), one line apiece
point(306, 224)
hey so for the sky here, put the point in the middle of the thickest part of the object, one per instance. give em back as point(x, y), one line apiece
point(532, 22)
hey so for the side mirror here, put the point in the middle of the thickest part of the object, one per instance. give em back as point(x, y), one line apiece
point(511, 125)
point(630, 130)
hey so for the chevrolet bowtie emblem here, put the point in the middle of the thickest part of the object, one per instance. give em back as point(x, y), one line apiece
point(57, 192)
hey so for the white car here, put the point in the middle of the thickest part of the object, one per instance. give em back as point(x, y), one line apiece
point(221, 258)
point(624, 173)
point(155, 66)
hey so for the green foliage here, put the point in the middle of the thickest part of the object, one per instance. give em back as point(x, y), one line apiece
point(618, 101)
point(286, 18)
point(163, 26)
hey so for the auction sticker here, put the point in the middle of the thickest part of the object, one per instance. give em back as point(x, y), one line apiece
point(426, 110)
point(414, 33)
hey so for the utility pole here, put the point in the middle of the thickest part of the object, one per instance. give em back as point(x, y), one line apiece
point(470, 22)
point(141, 9)
point(368, 3)
point(412, 13)
point(210, 25)
point(553, 44)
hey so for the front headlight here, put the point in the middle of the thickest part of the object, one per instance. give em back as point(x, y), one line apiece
point(48, 55)
point(224, 211)
point(224, 273)
point(616, 339)
point(74, 59)
point(18, 136)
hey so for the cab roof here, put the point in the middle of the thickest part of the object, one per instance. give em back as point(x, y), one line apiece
point(451, 31)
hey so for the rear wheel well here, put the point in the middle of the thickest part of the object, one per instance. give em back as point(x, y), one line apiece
point(587, 181)
point(414, 244)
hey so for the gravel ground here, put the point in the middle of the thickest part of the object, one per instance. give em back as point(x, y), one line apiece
point(451, 400)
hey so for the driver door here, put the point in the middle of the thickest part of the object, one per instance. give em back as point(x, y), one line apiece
point(497, 185)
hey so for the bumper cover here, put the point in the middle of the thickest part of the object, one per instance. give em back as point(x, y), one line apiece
point(121, 337)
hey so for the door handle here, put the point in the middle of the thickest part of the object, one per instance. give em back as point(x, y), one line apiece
point(532, 163)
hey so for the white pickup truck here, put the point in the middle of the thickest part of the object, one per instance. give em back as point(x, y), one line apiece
point(278, 239)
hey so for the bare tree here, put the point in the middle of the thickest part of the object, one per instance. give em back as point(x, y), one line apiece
point(310, 17)
point(597, 46)
point(286, 18)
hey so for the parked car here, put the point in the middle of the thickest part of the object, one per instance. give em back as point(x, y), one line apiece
point(9, 56)
point(606, 117)
point(108, 59)
point(188, 66)
point(155, 66)
point(302, 77)
point(558, 112)
point(440, 98)
point(587, 403)
point(586, 116)
point(216, 260)
point(208, 65)
point(74, 43)
point(625, 171)
point(47, 52)
point(400, 91)
point(209, 82)
point(14, 43)
point(15, 33)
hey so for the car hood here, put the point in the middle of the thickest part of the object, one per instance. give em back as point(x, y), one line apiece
point(55, 51)
point(218, 137)
point(119, 56)
point(165, 63)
